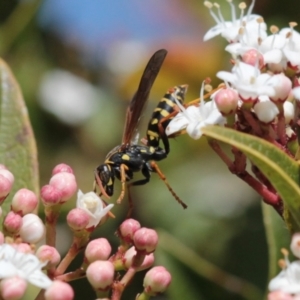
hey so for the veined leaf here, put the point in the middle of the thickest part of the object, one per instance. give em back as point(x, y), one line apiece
point(17, 144)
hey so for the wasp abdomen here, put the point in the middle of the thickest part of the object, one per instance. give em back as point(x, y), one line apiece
point(165, 107)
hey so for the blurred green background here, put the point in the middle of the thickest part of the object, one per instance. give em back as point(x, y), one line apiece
point(78, 64)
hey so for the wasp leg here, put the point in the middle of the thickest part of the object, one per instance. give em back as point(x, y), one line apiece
point(123, 169)
point(156, 169)
point(99, 182)
point(147, 173)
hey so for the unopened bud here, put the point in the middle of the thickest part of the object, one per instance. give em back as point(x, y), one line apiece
point(289, 112)
point(32, 230)
point(13, 288)
point(295, 245)
point(127, 230)
point(78, 219)
point(24, 201)
point(145, 240)
point(128, 259)
point(66, 183)
point(62, 168)
point(13, 222)
point(98, 249)
point(49, 254)
point(282, 85)
point(50, 195)
point(252, 56)
point(100, 274)
point(156, 280)
point(6, 183)
point(59, 290)
point(226, 101)
point(266, 111)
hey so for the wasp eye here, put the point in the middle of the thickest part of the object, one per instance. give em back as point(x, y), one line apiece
point(104, 173)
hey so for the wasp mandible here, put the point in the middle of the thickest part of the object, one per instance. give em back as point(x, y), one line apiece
point(124, 160)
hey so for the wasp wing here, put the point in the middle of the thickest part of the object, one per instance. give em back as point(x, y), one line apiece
point(138, 101)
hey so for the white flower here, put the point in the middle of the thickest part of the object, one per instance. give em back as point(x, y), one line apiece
point(288, 280)
point(270, 47)
point(93, 205)
point(248, 81)
point(291, 49)
point(24, 265)
point(230, 30)
point(193, 118)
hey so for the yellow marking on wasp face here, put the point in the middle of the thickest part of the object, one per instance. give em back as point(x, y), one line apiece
point(152, 133)
point(125, 157)
point(110, 181)
point(152, 149)
point(154, 121)
point(164, 113)
point(143, 150)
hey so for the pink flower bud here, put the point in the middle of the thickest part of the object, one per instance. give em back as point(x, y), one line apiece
point(251, 57)
point(282, 85)
point(279, 295)
point(295, 244)
point(13, 222)
point(6, 173)
point(145, 240)
point(66, 183)
point(13, 288)
point(24, 201)
point(226, 101)
point(127, 230)
point(50, 195)
point(156, 281)
point(62, 168)
point(32, 230)
point(100, 274)
point(23, 247)
point(98, 249)
point(78, 219)
point(6, 183)
point(49, 254)
point(128, 258)
point(59, 290)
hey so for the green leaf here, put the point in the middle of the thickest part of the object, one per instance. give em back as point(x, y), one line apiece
point(277, 238)
point(280, 169)
point(17, 144)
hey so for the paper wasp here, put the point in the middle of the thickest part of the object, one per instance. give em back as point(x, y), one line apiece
point(127, 158)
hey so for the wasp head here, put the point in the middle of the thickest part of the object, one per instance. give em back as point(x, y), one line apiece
point(105, 174)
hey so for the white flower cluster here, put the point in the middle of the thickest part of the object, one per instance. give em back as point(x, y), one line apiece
point(260, 61)
point(287, 282)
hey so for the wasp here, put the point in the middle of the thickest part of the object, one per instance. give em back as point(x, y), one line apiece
point(162, 115)
point(124, 160)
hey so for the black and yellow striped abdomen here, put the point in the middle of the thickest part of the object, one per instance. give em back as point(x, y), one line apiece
point(157, 124)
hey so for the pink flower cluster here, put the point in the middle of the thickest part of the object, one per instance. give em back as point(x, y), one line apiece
point(22, 262)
